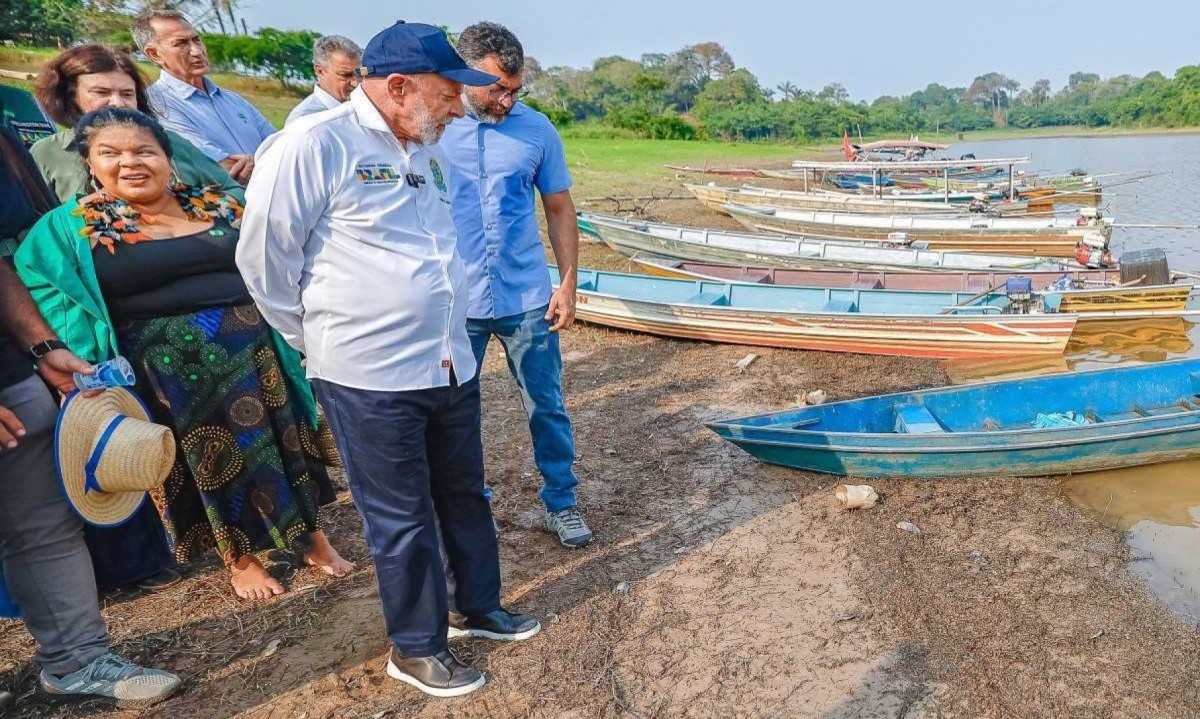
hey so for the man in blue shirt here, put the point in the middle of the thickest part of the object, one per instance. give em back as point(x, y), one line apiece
point(219, 122)
point(499, 153)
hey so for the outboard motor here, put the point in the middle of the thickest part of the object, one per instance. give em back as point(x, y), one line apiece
point(1020, 295)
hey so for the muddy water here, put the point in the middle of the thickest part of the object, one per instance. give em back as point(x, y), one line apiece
point(1159, 509)
point(1157, 506)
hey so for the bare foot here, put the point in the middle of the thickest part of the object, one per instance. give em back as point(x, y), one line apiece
point(252, 581)
point(322, 554)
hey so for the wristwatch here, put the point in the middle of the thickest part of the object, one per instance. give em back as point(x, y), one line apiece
point(45, 347)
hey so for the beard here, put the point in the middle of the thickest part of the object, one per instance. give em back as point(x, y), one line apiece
point(488, 114)
point(429, 128)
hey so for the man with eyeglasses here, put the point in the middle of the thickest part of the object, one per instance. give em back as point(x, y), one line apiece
point(500, 152)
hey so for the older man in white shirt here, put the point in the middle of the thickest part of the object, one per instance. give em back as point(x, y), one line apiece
point(348, 248)
point(335, 62)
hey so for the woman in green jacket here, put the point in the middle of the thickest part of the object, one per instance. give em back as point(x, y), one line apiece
point(144, 267)
point(91, 77)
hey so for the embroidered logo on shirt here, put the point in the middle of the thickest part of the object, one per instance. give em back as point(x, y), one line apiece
point(377, 173)
point(438, 179)
point(31, 131)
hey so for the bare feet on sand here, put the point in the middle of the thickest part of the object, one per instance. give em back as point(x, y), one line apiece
point(322, 554)
point(252, 581)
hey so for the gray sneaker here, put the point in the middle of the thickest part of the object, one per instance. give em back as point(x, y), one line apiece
point(567, 523)
point(114, 677)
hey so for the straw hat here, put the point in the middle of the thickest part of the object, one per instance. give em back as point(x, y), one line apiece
point(109, 455)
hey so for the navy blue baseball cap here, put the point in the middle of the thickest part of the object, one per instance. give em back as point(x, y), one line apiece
point(412, 48)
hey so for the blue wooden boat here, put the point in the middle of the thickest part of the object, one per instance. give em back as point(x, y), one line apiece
point(851, 181)
point(1129, 416)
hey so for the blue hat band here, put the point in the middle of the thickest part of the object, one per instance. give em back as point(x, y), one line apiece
point(90, 483)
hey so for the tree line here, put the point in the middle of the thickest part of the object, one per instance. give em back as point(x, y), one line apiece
point(699, 91)
point(695, 92)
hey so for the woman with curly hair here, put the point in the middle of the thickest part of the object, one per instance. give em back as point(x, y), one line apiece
point(144, 267)
point(92, 77)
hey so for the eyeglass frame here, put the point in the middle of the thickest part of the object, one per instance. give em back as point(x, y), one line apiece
point(516, 94)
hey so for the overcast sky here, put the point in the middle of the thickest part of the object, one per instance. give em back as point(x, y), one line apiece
point(873, 47)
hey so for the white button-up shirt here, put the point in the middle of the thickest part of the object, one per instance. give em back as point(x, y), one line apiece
point(354, 266)
point(318, 101)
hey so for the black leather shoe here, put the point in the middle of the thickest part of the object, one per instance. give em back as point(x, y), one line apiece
point(499, 624)
point(440, 675)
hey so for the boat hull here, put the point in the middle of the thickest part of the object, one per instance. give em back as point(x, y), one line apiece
point(715, 197)
point(1102, 303)
point(1028, 461)
point(1118, 417)
point(943, 336)
point(702, 245)
point(1041, 242)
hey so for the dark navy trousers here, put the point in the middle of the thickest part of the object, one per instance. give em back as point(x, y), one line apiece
point(410, 457)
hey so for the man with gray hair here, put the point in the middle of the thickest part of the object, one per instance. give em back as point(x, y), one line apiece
point(500, 152)
point(335, 61)
point(219, 122)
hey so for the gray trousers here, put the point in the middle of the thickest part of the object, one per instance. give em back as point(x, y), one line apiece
point(45, 559)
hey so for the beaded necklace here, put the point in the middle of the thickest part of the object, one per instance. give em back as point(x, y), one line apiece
point(108, 219)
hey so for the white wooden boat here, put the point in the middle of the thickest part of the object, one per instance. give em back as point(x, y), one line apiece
point(632, 237)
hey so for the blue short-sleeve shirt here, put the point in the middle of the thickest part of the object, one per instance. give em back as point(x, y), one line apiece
point(495, 169)
point(218, 122)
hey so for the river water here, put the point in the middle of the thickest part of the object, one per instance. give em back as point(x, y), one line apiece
point(1158, 507)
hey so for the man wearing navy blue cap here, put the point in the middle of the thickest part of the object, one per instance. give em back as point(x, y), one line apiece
point(349, 250)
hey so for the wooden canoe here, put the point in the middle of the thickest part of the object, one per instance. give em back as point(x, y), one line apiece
point(1032, 237)
point(1103, 302)
point(1130, 416)
point(966, 281)
point(910, 324)
point(714, 197)
point(773, 250)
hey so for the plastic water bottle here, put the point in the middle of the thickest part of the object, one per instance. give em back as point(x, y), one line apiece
point(116, 372)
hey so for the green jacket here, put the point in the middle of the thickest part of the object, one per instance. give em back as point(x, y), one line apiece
point(67, 176)
point(55, 262)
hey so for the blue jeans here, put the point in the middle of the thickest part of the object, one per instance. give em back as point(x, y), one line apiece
point(535, 362)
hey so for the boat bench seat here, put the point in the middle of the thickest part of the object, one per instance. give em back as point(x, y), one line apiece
point(867, 284)
point(707, 298)
point(760, 277)
point(840, 306)
point(916, 419)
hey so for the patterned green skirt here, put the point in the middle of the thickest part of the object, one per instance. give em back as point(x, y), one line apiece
point(243, 476)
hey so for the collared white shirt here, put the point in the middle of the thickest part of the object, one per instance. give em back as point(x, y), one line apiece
point(354, 266)
point(318, 101)
point(217, 121)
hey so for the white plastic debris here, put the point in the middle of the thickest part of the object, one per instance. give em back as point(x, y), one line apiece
point(856, 496)
point(908, 527)
point(745, 362)
point(817, 396)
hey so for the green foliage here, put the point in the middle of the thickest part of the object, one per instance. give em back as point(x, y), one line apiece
point(655, 127)
point(558, 117)
point(737, 89)
point(41, 22)
point(282, 54)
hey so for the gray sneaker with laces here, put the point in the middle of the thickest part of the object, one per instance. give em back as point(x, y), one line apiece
point(567, 523)
point(114, 677)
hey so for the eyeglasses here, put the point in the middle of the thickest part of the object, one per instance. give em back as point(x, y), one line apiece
point(496, 91)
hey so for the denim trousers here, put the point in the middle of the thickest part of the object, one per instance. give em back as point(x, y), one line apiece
point(535, 362)
point(45, 559)
point(414, 461)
